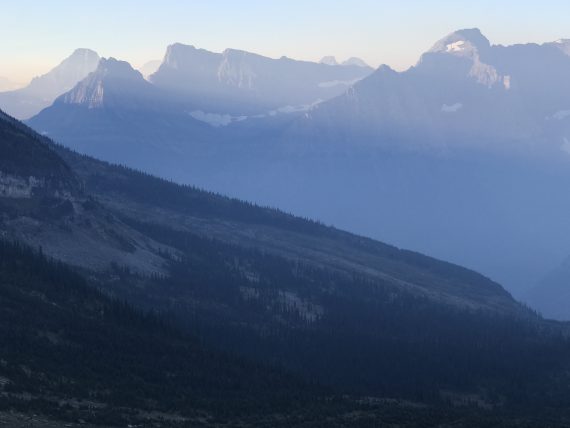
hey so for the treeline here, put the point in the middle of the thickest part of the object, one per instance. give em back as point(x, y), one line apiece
point(23, 152)
point(62, 341)
point(103, 178)
point(359, 335)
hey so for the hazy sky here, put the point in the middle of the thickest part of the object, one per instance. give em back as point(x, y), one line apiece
point(36, 35)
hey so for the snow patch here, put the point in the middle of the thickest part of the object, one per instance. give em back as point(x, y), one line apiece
point(219, 120)
point(296, 109)
point(453, 108)
point(456, 47)
point(214, 119)
point(334, 83)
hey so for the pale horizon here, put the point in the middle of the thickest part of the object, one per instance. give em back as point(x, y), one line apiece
point(379, 32)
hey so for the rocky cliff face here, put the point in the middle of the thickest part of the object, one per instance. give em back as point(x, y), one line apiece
point(43, 204)
point(244, 83)
point(19, 187)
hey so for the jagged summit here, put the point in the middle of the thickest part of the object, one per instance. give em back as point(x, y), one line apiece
point(116, 69)
point(355, 61)
point(350, 62)
point(242, 83)
point(180, 56)
point(385, 68)
point(81, 59)
point(72, 69)
point(175, 49)
point(462, 42)
point(83, 55)
point(43, 90)
point(474, 49)
point(328, 60)
point(111, 75)
point(563, 45)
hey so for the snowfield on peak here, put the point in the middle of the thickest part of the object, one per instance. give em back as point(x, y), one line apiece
point(334, 83)
point(456, 46)
point(218, 120)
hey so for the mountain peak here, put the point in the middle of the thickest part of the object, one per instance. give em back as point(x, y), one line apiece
point(355, 61)
point(110, 74)
point(81, 58)
point(328, 60)
point(178, 48)
point(175, 51)
point(26, 102)
point(472, 48)
point(462, 42)
point(185, 57)
point(114, 68)
point(71, 70)
point(84, 54)
point(563, 45)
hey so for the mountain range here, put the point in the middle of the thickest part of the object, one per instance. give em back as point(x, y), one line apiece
point(352, 61)
point(480, 129)
point(241, 83)
point(115, 109)
point(463, 93)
